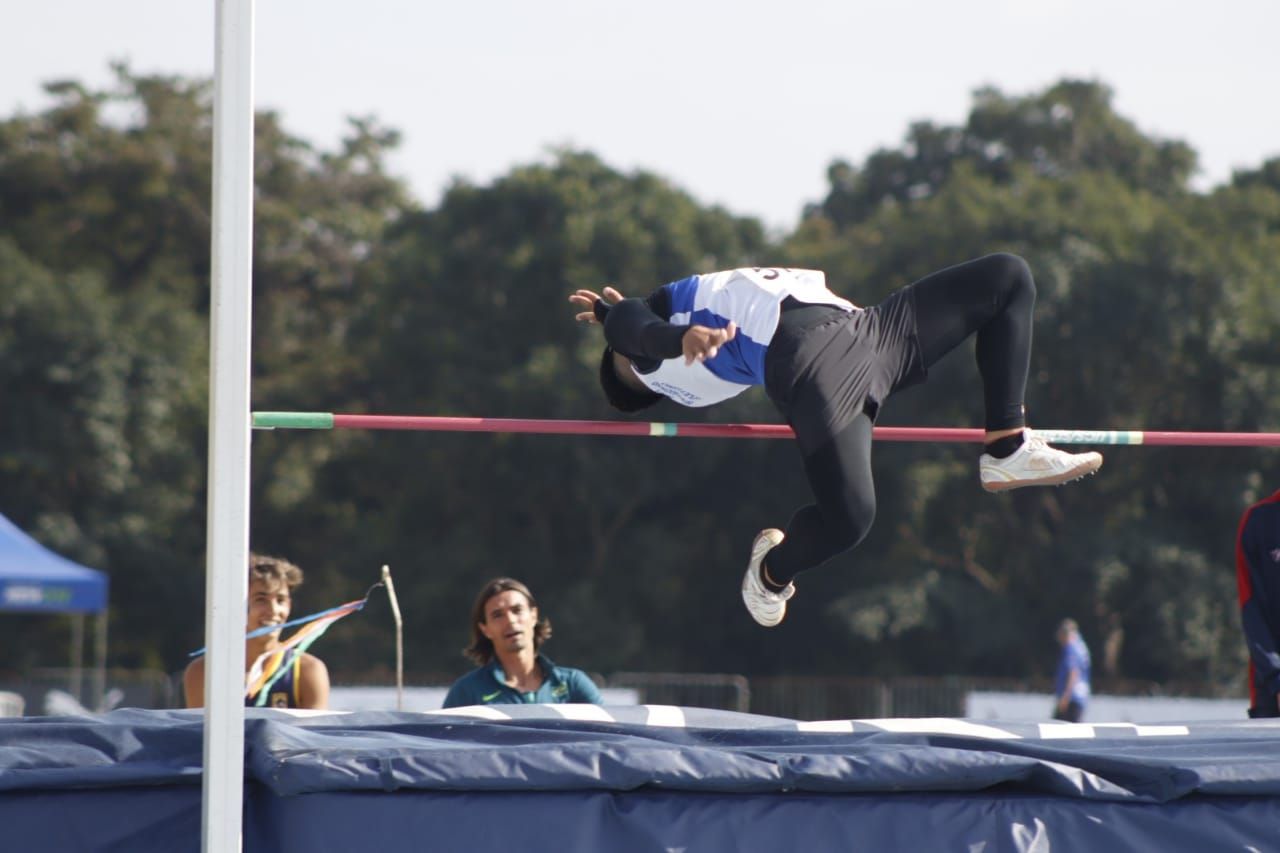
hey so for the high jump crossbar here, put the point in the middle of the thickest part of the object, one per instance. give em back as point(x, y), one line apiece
point(328, 420)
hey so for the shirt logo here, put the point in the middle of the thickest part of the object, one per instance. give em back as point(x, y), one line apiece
point(680, 395)
point(494, 695)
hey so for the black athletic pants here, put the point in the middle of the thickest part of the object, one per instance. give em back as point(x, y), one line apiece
point(993, 296)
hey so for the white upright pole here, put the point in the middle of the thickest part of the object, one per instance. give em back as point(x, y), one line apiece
point(75, 685)
point(226, 585)
point(99, 690)
point(395, 612)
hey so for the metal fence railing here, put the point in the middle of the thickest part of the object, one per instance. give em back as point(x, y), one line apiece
point(53, 691)
point(727, 692)
point(845, 697)
point(842, 698)
point(47, 691)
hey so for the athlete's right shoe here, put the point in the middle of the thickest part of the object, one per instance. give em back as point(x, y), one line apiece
point(1035, 463)
point(765, 606)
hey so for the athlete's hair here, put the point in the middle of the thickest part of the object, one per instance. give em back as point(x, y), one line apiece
point(274, 570)
point(481, 648)
point(620, 395)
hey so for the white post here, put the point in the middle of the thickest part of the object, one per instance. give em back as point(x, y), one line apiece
point(99, 690)
point(226, 584)
point(75, 684)
point(395, 612)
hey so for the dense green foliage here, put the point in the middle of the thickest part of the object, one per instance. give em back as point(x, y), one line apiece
point(1159, 308)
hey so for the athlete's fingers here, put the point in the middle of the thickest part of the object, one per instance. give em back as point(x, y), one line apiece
point(611, 292)
point(587, 297)
point(715, 337)
point(703, 342)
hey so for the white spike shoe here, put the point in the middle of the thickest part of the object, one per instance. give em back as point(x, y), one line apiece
point(1035, 463)
point(765, 606)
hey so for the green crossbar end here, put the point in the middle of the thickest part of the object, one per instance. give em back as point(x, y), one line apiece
point(293, 420)
point(663, 430)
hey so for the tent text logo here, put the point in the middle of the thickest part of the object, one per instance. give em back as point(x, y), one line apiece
point(20, 594)
point(27, 595)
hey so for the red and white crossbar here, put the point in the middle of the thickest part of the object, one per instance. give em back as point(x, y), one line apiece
point(421, 423)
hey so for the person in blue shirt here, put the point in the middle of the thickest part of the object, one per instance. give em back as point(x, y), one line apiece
point(507, 633)
point(1071, 681)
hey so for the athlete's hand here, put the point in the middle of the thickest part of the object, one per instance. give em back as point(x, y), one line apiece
point(701, 343)
point(586, 300)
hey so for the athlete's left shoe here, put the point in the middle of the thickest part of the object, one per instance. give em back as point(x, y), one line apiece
point(1035, 463)
point(765, 606)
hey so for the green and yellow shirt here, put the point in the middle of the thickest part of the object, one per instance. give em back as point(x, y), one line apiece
point(487, 685)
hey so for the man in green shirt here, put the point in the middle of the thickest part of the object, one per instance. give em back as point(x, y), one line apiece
point(507, 632)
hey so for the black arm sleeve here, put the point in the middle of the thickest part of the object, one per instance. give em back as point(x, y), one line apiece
point(634, 330)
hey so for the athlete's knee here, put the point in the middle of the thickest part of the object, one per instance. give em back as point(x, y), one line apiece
point(851, 524)
point(1014, 274)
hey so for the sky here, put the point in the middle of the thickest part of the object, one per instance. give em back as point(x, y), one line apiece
point(742, 103)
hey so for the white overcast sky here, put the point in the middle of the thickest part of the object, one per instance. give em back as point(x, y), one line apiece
point(743, 103)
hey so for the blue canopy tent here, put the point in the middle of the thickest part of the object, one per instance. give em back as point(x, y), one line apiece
point(34, 579)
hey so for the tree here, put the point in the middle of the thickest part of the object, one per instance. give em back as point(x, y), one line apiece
point(1069, 129)
point(1157, 309)
point(104, 236)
